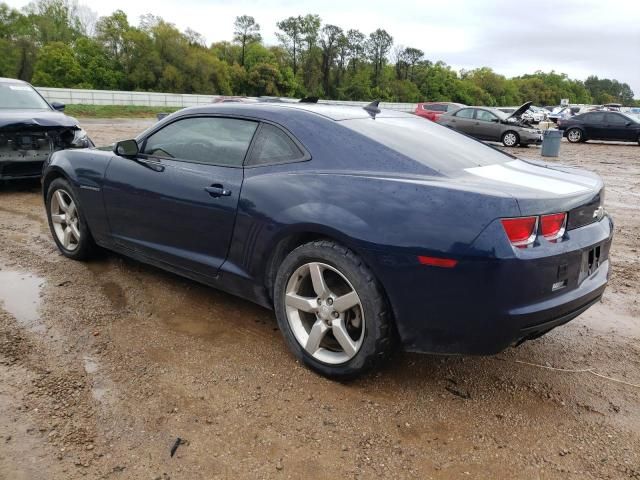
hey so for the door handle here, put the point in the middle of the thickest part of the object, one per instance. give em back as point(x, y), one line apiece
point(218, 190)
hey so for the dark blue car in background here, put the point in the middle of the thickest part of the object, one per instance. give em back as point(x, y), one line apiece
point(361, 229)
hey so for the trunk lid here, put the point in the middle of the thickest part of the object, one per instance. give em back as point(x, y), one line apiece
point(541, 188)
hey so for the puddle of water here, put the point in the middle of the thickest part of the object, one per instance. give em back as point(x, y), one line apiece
point(20, 296)
point(115, 294)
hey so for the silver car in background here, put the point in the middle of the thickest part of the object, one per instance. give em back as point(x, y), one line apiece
point(491, 124)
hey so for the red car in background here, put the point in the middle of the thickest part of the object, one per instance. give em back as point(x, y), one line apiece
point(432, 110)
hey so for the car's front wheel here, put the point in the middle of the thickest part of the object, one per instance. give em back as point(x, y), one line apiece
point(331, 310)
point(574, 135)
point(510, 139)
point(66, 221)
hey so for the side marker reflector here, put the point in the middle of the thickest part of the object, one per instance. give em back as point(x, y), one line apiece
point(437, 262)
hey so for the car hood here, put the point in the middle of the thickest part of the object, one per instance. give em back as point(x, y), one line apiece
point(35, 118)
point(520, 110)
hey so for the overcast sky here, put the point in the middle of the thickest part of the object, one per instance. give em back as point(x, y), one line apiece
point(577, 37)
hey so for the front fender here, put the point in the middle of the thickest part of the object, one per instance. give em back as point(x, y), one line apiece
point(85, 170)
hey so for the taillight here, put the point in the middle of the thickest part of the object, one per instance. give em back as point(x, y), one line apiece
point(552, 226)
point(521, 231)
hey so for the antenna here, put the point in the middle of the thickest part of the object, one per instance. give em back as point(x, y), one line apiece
point(373, 109)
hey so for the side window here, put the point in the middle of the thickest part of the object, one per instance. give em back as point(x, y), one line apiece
point(464, 113)
point(594, 117)
point(451, 107)
point(272, 145)
point(485, 116)
point(217, 141)
point(614, 119)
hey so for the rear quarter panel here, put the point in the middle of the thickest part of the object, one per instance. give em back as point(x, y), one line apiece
point(387, 222)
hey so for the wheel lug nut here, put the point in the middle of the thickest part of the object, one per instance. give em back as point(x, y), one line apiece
point(335, 314)
point(319, 301)
point(329, 301)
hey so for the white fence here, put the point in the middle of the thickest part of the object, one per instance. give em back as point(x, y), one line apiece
point(152, 99)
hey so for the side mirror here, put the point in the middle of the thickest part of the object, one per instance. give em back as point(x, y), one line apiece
point(58, 106)
point(126, 148)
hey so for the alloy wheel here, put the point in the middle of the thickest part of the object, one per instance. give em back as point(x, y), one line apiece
point(64, 217)
point(324, 313)
point(510, 139)
point(574, 135)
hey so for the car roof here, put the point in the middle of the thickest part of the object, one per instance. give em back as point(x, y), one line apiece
point(332, 112)
point(12, 80)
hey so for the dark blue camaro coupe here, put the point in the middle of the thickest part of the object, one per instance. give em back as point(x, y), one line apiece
point(360, 228)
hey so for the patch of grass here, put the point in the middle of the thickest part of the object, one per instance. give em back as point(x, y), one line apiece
point(116, 111)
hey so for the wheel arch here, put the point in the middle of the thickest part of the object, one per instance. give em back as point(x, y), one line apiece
point(51, 174)
point(292, 239)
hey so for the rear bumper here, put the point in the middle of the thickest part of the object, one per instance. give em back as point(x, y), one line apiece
point(486, 304)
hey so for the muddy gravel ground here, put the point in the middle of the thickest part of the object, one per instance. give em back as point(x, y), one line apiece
point(104, 365)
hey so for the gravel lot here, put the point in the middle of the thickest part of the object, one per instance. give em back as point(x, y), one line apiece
point(104, 365)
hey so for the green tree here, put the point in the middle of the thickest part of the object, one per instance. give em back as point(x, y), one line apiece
point(57, 67)
point(378, 47)
point(291, 35)
point(329, 38)
point(246, 32)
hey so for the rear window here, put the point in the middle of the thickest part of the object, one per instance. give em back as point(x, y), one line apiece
point(430, 144)
point(436, 107)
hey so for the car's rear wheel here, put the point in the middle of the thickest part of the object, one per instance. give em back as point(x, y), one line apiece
point(510, 139)
point(331, 310)
point(66, 221)
point(574, 135)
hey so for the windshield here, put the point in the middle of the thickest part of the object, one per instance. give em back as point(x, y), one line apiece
point(18, 96)
point(428, 143)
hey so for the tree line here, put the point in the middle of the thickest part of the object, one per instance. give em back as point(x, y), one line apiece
point(59, 43)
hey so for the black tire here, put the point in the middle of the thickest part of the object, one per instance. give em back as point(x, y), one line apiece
point(575, 135)
point(378, 341)
point(85, 246)
point(507, 136)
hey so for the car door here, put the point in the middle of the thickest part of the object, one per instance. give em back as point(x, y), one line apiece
point(617, 128)
point(593, 124)
point(487, 125)
point(462, 120)
point(176, 201)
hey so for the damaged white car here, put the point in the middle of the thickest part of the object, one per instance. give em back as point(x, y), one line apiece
point(31, 129)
